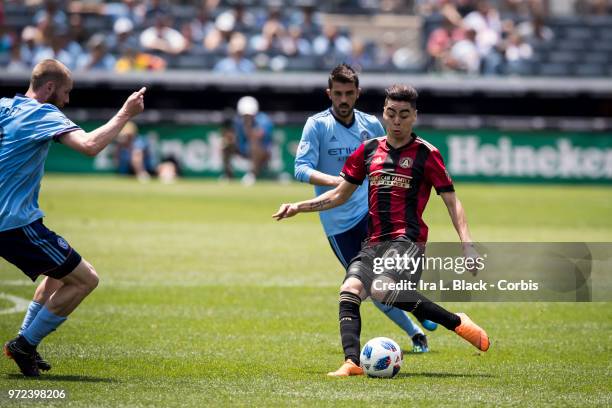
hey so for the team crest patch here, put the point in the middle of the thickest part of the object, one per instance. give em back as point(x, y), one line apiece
point(62, 243)
point(303, 147)
point(406, 162)
point(365, 135)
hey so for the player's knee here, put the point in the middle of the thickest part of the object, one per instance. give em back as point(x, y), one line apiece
point(352, 286)
point(89, 279)
point(92, 280)
point(379, 290)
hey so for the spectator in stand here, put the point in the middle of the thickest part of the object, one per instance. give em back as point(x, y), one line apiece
point(271, 38)
point(52, 13)
point(331, 43)
point(218, 39)
point(440, 42)
point(464, 55)
point(486, 22)
point(360, 58)
point(518, 54)
point(16, 62)
point(162, 37)
point(98, 57)
point(30, 44)
point(133, 60)
point(53, 46)
point(296, 44)
point(235, 62)
point(307, 19)
point(385, 52)
point(154, 8)
point(78, 32)
point(534, 31)
point(202, 24)
point(133, 10)
point(122, 37)
point(244, 20)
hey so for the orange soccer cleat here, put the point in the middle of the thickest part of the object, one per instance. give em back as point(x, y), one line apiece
point(472, 332)
point(347, 369)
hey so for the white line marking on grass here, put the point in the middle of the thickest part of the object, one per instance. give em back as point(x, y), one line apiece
point(21, 304)
point(16, 282)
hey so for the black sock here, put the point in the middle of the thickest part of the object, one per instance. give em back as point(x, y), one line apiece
point(24, 345)
point(424, 309)
point(350, 325)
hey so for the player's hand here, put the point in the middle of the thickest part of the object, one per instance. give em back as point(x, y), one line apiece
point(470, 252)
point(286, 211)
point(135, 103)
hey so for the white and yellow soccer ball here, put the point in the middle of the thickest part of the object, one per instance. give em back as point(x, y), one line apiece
point(381, 357)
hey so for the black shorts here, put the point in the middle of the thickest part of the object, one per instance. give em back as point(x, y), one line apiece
point(37, 250)
point(369, 264)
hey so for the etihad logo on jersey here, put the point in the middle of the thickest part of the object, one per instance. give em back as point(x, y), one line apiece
point(384, 179)
point(341, 151)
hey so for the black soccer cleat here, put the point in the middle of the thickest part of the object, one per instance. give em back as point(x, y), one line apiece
point(41, 363)
point(24, 356)
point(419, 343)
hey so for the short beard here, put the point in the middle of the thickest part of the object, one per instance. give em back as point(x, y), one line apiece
point(350, 112)
point(54, 100)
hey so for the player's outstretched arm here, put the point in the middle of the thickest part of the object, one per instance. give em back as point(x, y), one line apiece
point(92, 143)
point(325, 201)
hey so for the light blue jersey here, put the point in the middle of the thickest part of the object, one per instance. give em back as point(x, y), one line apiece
point(27, 128)
point(325, 145)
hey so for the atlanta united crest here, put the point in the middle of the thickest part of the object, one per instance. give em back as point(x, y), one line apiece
point(406, 162)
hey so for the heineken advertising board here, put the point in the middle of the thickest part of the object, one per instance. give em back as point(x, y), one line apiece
point(470, 155)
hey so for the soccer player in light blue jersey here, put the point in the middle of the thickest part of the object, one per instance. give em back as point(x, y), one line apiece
point(28, 125)
point(328, 139)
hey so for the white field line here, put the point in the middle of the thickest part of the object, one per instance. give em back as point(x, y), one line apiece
point(21, 304)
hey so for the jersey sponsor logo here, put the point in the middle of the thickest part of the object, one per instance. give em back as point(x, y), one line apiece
point(382, 179)
point(303, 147)
point(339, 151)
point(406, 162)
point(62, 243)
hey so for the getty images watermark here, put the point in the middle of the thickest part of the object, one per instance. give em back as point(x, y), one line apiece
point(557, 272)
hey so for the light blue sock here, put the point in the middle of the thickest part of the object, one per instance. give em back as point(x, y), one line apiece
point(44, 323)
point(33, 310)
point(400, 318)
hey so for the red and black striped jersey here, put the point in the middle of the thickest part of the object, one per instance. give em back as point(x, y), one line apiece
point(400, 182)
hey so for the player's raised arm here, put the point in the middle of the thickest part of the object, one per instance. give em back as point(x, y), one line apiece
point(92, 143)
point(325, 201)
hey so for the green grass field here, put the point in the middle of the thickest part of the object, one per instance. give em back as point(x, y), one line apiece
point(204, 299)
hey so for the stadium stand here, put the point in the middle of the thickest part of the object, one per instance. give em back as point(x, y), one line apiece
point(475, 37)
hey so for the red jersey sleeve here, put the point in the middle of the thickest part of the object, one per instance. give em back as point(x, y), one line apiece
point(436, 173)
point(354, 170)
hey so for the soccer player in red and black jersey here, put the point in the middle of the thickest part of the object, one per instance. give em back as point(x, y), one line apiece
point(401, 168)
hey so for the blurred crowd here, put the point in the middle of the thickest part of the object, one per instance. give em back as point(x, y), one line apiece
point(243, 36)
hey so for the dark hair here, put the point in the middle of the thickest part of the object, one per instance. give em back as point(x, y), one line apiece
point(403, 93)
point(344, 74)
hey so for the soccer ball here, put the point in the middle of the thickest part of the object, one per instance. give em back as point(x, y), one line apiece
point(381, 357)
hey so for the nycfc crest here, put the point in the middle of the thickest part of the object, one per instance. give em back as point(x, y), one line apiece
point(62, 243)
point(406, 162)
